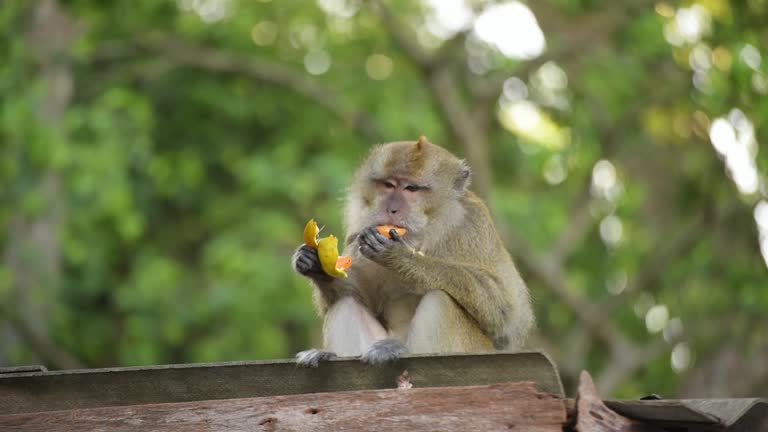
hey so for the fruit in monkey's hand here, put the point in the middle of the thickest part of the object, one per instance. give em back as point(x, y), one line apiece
point(310, 234)
point(327, 251)
point(344, 262)
point(384, 230)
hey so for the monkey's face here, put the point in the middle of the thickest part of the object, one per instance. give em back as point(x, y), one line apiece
point(412, 185)
point(400, 202)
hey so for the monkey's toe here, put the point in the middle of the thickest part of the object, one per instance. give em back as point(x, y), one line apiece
point(384, 351)
point(312, 357)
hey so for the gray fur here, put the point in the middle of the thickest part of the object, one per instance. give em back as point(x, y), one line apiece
point(384, 351)
point(312, 357)
point(306, 262)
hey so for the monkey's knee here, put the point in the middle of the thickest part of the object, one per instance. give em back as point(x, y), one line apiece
point(350, 328)
point(441, 325)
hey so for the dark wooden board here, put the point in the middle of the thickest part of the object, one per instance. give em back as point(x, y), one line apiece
point(59, 390)
point(498, 407)
point(733, 415)
point(593, 416)
point(21, 369)
point(663, 411)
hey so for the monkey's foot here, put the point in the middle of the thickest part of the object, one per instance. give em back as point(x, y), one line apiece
point(384, 351)
point(313, 357)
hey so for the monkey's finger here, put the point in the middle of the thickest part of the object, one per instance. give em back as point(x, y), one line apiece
point(373, 237)
point(371, 245)
point(395, 236)
point(312, 257)
point(306, 263)
point(368, 252)
point(313, 357)
point(302, 266)
point(307, 250)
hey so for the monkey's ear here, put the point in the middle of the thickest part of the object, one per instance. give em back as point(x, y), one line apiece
point(464, 177)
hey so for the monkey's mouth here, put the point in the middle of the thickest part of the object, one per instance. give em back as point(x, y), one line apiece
point(394, 225)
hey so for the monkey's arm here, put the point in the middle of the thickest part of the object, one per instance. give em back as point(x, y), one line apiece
point(493, 294)
point(488, 296)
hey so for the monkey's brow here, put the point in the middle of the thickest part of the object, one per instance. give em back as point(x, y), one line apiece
point(415, 182)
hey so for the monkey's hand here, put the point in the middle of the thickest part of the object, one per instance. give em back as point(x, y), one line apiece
point(313, 357)
point(306, 263)
point(380, 249)
point(383, 351)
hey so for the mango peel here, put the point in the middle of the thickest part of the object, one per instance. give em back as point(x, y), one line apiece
point(310, 234)
point(327, 251)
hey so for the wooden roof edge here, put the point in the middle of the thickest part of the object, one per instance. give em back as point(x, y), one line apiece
point(38, 391)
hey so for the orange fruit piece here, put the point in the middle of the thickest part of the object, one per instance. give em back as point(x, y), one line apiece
point(344, 262)
point(384, 230)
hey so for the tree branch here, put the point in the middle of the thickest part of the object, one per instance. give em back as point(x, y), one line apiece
point(583, 33)
point(43, 347)
point(579, 225)
point(551, 273)
point(441, 81)
point(462, 125)
point(404, 41)
point(215, 60)
point(626, 362)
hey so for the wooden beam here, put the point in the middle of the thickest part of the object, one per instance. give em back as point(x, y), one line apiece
point(593, 416)
point(60, 390)
point(498, 407)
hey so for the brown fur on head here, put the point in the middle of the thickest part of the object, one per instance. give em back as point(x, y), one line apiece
point(428, 183)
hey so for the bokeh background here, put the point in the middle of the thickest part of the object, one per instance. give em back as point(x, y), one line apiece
point(159, 158)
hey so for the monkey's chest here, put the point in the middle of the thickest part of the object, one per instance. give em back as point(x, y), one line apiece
point(397, 313)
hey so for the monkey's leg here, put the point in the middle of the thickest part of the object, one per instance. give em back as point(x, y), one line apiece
point(350, 328)
point(440, 325)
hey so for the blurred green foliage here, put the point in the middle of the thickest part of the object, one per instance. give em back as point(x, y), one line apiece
point(183, 186)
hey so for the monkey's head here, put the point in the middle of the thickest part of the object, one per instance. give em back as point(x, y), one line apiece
point(412, 184)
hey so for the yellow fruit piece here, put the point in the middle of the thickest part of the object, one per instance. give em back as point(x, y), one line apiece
point(310, 234)
point(328, 252)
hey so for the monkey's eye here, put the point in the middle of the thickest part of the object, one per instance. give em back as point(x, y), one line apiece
point(388, 185)
point(413, 188)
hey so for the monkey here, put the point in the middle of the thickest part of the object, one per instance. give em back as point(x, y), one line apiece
point(448, 285)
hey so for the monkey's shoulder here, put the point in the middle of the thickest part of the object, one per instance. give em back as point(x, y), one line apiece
point(477, 222)
point(475, 209)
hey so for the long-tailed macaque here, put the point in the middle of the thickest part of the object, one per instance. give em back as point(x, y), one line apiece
point(447, 285)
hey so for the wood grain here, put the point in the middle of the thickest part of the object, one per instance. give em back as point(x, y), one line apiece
point(593, 416)
point(92, 388)
point(497, 407)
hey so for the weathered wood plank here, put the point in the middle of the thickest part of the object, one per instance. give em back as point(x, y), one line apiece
point(666, 411)
point(498, 407)
point(733, 415)
point(59, 390)
point(7, 371)
point(593, 416)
